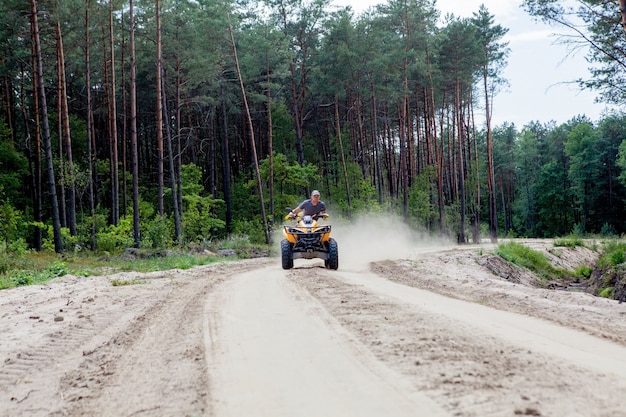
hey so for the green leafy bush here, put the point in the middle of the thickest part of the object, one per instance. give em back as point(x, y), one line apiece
point(583, 271)
point(115, 237)
point(613, 254)
point(530, 259)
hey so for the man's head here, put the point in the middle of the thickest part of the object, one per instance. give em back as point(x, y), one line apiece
point(315, 194)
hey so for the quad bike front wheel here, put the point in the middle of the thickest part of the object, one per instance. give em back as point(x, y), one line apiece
point(286, 253)
point(333, 254)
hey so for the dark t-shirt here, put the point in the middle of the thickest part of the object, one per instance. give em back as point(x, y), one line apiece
point(309, 209)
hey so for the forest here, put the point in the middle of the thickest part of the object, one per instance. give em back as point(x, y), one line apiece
point(133, 123)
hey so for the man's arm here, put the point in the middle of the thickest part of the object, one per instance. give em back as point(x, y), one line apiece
point(296, 210)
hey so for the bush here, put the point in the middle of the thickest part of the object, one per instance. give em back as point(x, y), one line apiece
point(113, 238)
point(159, 233)
point(614, 254)
point(530, 259)
point(608, 230)
point(583, 271)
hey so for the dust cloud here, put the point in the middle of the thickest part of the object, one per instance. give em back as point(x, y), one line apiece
point(376, 237)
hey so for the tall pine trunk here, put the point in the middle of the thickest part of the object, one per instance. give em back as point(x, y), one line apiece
point(115, 191)
point(343, 158)
point(90, 193)
point(270, 136)
point(159, 111)
point(491, 186)
point(34, 155)
point(170, 158)
point(54, 204)
point(461, 162)
point(255, 159)
point(226, 169)
point(379, 177)
point(65, 117)
point(133, 128)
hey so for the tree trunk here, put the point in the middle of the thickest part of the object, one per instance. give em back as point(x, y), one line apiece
point(343, 158)
point(115, 191)
point(54, 205)
point(461, 162)
point(90, 194)
point(255, 160)
point(493, 216)
point(61, 166)
point(71, 198)
point(133, 127)
point(297, 115)
point(404, 168)
point(379, 180)
point(34, 155)
point(178, 160)
point(477, 202)
point(170, 153)
point(124, 209)
point(159, 111)
point(226, 169)
point(270, 136)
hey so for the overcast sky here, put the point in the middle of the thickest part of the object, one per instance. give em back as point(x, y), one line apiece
point(538, 69)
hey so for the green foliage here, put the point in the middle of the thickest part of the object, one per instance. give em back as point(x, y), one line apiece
point(288, 178)
point(22, 277)
point(582, 149)
point(362, 192)
point(621, 162)
point(578, 230)
point(252, 229)
point(13, 168)
point(158, 232)
point(69, 241)
point(114, 238)
point(569, 242)
point(583, 271)
point(421, 210)
point(614, 254)
point(11, 222)
point(608, 230)
point(530, 259)
point(199, 219)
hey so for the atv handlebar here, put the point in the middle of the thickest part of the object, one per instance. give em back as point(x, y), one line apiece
point(293, 216)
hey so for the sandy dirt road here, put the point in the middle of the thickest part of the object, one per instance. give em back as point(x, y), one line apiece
point(433, 332)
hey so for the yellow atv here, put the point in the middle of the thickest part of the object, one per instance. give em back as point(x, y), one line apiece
point(308, 240)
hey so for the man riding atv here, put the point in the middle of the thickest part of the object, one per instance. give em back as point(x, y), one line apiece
point(307, 239)
point(311, 206)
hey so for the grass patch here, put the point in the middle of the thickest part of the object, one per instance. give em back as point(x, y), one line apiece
point(613, 254)
point(163, 263)
point(530, 259)
point(583, 271)
point(21, 277)
point(122, 282)
point(570, 242)
point(39, 267)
